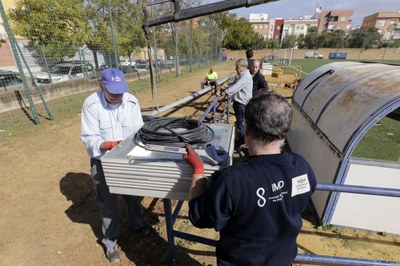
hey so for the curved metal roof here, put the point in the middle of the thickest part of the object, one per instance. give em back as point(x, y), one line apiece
point(340, 99)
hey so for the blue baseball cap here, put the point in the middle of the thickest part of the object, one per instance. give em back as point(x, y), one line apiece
point(114, 81)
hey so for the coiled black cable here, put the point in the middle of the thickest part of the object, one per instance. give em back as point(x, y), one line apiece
point(173, 132)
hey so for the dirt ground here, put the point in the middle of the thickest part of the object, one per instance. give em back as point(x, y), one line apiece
point(48, 215)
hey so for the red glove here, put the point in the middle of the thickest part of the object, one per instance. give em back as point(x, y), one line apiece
point(194, 160)
point(111, 144)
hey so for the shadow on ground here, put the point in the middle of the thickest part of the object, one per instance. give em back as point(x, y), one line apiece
point(143, 251)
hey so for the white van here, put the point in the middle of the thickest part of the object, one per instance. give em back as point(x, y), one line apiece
point(313, 55)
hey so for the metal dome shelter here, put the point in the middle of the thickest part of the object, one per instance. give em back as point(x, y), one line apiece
point(333, 108)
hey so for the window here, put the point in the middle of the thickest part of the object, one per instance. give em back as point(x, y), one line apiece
point(76, 70)
point(381, 22)
point(342, 19)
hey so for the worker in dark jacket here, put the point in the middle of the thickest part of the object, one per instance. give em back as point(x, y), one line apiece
point(255, 205)
point(260, 85)
point(250, 60)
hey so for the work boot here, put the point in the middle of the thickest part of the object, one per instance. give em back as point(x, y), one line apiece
point(113, 255)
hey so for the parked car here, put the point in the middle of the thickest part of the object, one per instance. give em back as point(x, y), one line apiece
point(313, 55)
point(9, 79)
point(142, 66)
point(126, 62)
point(124, 69)
point(160, 63)
point(67, 71)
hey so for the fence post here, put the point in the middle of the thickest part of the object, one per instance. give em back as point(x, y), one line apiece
point(13, 45)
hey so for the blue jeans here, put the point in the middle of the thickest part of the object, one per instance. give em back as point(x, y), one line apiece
point(239, 114)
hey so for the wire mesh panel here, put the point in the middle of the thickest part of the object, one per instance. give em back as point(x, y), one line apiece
point(56, 50)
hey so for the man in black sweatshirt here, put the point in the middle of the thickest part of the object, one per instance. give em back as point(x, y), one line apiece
point(255, 205)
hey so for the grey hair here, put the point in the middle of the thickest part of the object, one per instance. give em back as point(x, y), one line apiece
point(268, 118)
point(242, 62)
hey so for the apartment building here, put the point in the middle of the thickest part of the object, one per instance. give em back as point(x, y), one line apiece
point(298, 26)
point(260, 24)
point(387, 23)
point(275, 28)
point(330, 21)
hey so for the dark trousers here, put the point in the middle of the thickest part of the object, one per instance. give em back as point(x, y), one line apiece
point(213, 84)
point(239, 114)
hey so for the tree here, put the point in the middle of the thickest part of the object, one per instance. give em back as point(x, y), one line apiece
point(365, 38)
point(310, 41)
point(59, 27)
point(238, 33)
point(289, 41)
point(258, 42)
point(54, 27)
point(126, 16)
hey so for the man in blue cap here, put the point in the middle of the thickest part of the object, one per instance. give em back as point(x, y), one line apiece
point(109, 116)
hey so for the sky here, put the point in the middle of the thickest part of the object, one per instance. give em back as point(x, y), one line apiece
point(299, 8)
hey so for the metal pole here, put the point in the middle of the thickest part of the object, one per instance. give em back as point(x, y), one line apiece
point(359, 189)
point(177, 69)
point(340, 260)
point(45, 63)
point(37, 88)
point(80, 62)
point(157, 79)
point(14, 45)
point(187, 98)
point(84, 61)
point(291, 56)
point(199, 44)
point(170, 233)
point(116, 59)
point(191, 45)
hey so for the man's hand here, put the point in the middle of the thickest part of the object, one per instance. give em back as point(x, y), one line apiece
point(111, 144)
point(194, 160)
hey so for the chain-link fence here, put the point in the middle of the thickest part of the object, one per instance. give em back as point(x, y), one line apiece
point(52, 54)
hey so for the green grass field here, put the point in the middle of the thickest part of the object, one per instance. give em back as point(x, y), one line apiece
point(381, 142)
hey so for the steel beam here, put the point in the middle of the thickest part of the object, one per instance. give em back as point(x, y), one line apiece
point(193, 12)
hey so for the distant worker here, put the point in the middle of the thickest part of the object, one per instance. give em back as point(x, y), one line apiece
point(250, 60)
point(260, 85)
point(241, 92)
point(210, 79)
point(109, 116)
point(255, 205)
